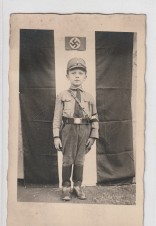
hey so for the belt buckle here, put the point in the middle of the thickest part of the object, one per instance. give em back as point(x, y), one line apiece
point(77, 120)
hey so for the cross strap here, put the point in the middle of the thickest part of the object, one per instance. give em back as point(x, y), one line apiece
point(78, 101)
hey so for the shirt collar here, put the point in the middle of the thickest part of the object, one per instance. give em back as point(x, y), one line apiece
point(79, 87)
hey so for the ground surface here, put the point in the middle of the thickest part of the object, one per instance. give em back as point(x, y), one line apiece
point(118, 195)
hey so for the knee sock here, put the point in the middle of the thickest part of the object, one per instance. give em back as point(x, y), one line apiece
point(77, 175)
point(66, 174)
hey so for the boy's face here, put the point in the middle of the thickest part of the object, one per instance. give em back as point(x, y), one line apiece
point(76, 77)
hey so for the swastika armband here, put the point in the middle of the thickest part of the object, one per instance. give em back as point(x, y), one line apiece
point(94, 118)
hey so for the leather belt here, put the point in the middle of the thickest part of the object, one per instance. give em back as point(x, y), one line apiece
point(76, 120)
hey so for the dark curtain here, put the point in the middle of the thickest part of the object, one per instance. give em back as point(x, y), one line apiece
point(113, 90)
point(37, 99)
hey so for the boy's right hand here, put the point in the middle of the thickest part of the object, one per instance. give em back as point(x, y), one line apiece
point(58, 143)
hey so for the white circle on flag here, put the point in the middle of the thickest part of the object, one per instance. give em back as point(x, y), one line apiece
point(74, 43)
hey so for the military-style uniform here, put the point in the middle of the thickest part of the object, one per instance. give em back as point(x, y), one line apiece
point(74, 126)
point(74, 136)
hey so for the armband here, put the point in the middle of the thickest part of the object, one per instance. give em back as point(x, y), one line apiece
point(94, 118)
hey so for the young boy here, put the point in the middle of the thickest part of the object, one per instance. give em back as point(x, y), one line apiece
point(75, 127)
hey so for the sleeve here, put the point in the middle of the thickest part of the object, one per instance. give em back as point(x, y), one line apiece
point(57, 120)
point(94, 121)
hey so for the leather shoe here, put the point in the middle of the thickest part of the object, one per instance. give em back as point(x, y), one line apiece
point(78, 191)
point(66, 196)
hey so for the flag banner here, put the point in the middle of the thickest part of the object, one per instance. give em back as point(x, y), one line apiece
point(75, 43)
point(37, 100)
point(115, 160)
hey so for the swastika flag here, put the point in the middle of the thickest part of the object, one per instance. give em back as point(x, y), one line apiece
point(75, 43)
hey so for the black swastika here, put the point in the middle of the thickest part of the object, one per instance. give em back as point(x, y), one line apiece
point(74, 43)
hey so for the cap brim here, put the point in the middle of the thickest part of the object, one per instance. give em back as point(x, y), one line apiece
point(77, 67)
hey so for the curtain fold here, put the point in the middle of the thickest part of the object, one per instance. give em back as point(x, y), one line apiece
point(37, 100)
point(113, 95)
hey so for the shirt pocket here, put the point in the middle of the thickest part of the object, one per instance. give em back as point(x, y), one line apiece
point(87, 104)
point(67, 102)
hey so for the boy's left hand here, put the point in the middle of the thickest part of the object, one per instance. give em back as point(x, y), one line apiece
point(89, 143)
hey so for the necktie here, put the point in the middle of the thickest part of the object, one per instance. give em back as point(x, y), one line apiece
point(78, 113)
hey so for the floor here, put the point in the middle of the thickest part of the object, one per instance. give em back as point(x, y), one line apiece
point(116, 195)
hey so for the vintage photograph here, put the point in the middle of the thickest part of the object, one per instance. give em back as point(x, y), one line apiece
point(76, 90)
point(77, 85)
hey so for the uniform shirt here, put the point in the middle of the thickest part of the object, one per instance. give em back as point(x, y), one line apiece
point(65, 105)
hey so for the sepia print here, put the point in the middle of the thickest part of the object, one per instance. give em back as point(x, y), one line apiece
point(108, 51)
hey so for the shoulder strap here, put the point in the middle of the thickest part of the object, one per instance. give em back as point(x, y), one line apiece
point(78, 101)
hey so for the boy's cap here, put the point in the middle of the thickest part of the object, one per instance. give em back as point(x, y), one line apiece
point(76, 63)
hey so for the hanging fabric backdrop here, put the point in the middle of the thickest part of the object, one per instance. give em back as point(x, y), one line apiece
point(113, 91)
point(37, 99)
